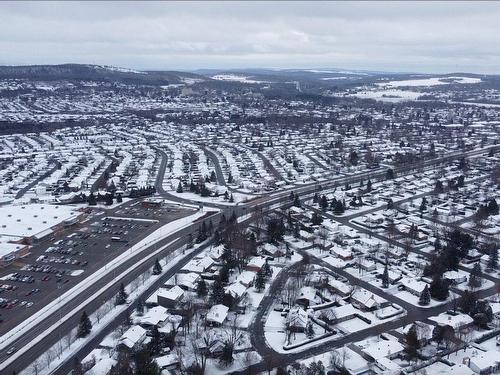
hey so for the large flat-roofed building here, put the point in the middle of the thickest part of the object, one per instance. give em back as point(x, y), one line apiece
point(11, 251)
point(33, 222)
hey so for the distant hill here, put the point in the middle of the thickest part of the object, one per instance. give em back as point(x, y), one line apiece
point(100, 73)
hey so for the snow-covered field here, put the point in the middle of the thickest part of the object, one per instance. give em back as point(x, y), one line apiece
point(429, 82)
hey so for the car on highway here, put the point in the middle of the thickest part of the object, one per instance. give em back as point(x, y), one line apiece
point(12, 350)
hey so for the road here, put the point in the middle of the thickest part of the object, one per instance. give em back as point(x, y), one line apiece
point(23, 191)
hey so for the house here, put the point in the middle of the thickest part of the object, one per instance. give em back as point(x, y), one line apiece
point(455, 277)
point(217, 315)
point(456, 320)
point(198, 265)
point(167, 362)
point(344, 254)
point(306, 236)
point(472, 256)
point(171, 297)
point(153, 317)
point(297, 319)
point(383, 348)
point(307, 296)
point(187, 281)
point(171, 324)
point(246, 278)
point(415, 287)
point(388, 366)
point(339, 287)
point(236, 290)
point(132, 338)
point(338, 314)
point(364, 300)
point(272, 250)
point(487, 362)
point(255, 264)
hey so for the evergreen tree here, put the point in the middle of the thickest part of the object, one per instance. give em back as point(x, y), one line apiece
point(260, 281)
point(467, 301)
point(425, 297)
point(119, 198)
point(157, 268)
point(475, 276)
point(369, 186)
point(412, 343)
point(213, 177)
point(438, 188)
point(140, 307)
point(315, 198)
point(231, 198)
point(439, 288)
point(493, 258)
point(389, 175)
point(324, 203)
point(385, 277)
point(201, 288)
point(92, 200)
point(217, 292)
point(316, 219)
point(339, 208)
point(493, 207)
point(230, 178)
point(85, 326)
point(296, 201)
point(267, 270)
point(423, 205)
point(121, 297)
point(179, 187)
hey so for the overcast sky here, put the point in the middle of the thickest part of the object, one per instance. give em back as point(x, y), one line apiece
point(392, 36)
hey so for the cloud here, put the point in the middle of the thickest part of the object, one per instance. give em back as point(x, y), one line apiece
point(403, 36)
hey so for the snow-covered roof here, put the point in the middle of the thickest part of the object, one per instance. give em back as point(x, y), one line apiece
point(154, 316)
point(455, 321)
point(133, 336)
point(297, 317)
point(383, 348)
point(246, 277)
point(29, 220)
point(7, 248)
point(484, 360)
point(366, 298)
point(172, 294)
point(307, 293)
point(217, 314)
point(257, 262)
point(236, 289)
point(198, 265)
point(166, 360)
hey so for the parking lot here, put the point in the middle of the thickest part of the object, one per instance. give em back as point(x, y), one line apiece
point(69, 256)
